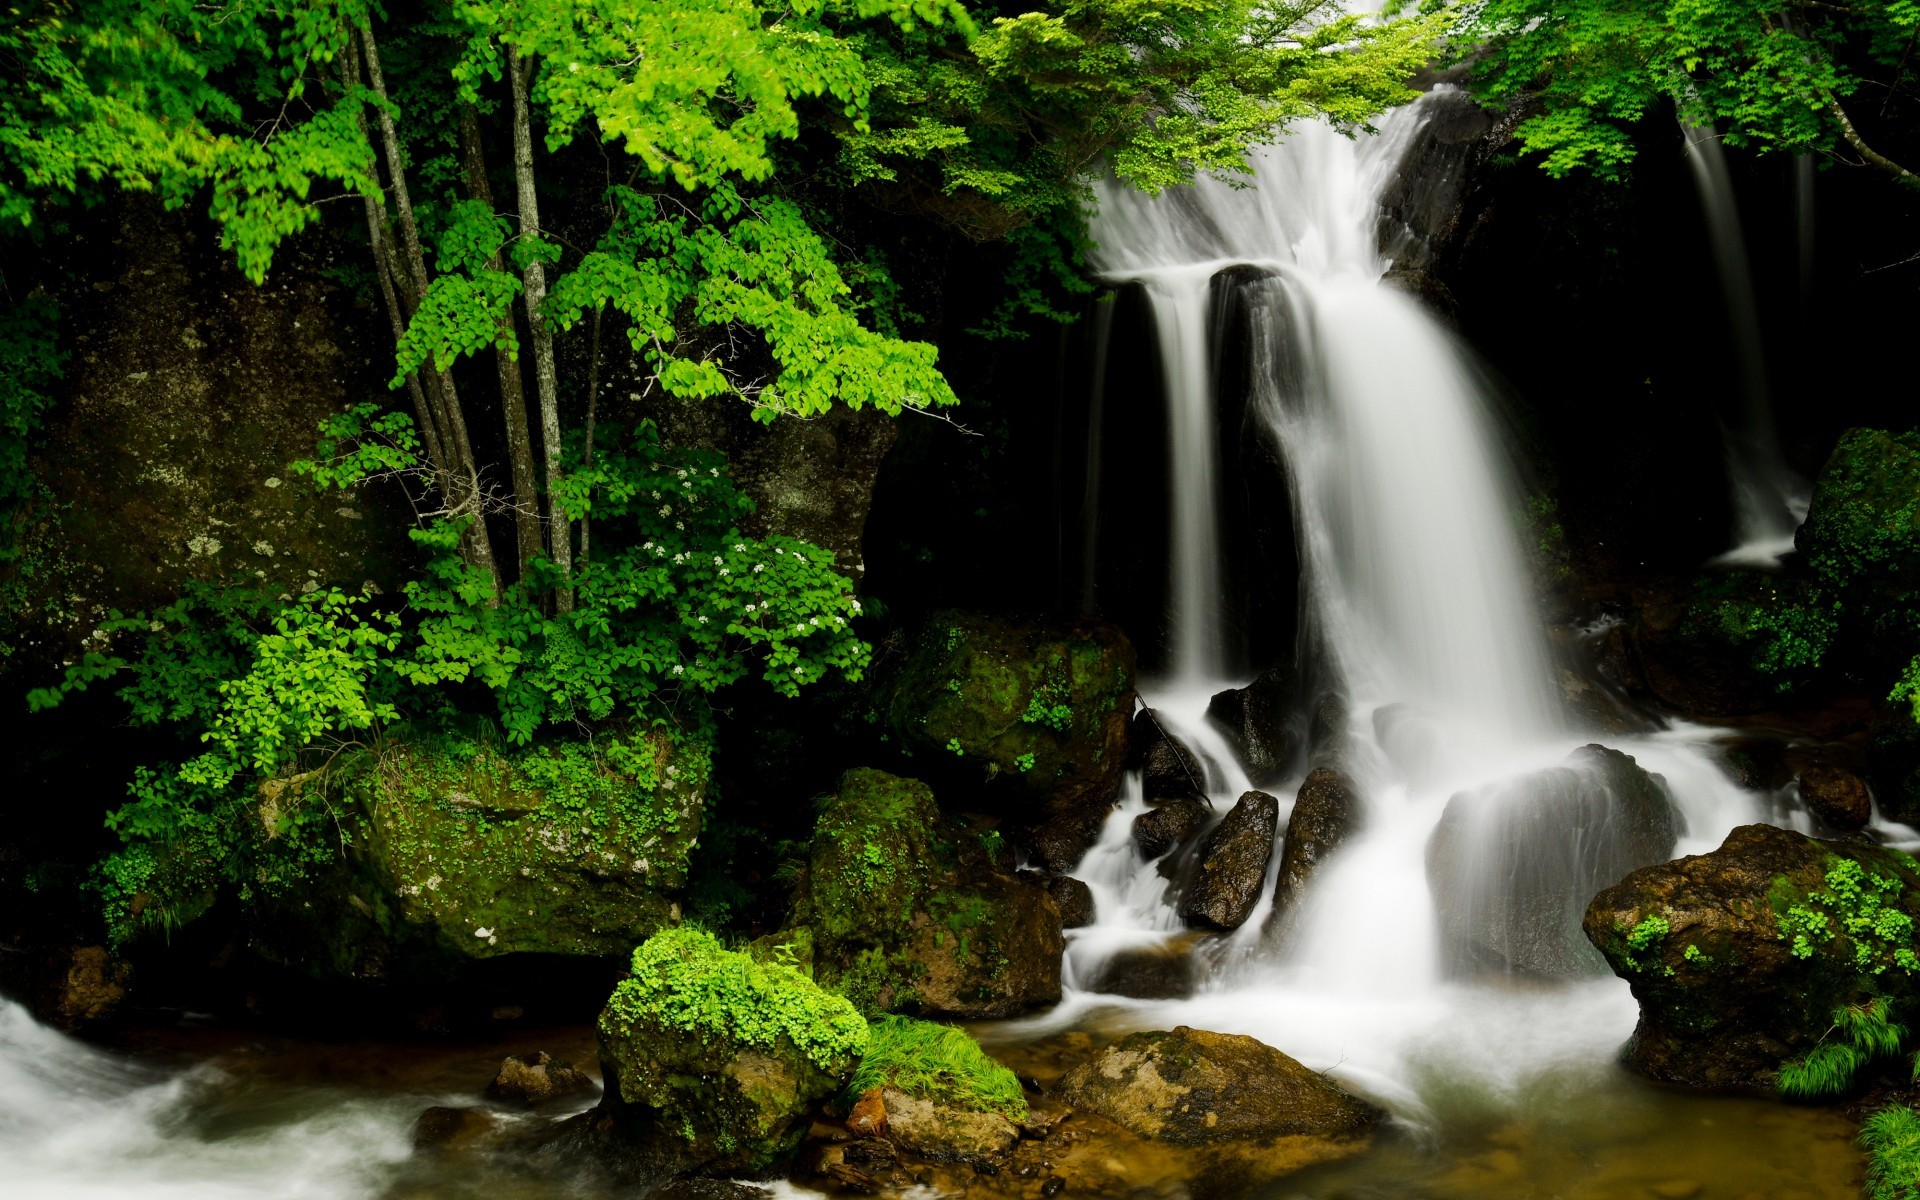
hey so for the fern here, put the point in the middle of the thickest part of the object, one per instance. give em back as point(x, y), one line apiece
point(1865, 1032)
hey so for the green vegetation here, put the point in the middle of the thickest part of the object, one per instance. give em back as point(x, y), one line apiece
point(1647, 935)
point(938, 1063)
point(1891, 1137)
point(1860, 1034)
point(1858, 905)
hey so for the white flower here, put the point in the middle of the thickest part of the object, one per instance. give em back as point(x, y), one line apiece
point(749, 609)
point(726, 571)
point(778, 550)
point(647, 546)
point(655, 493)
point(666, 510)
point(740, 547)
point(718, 561)
point(799, 670)
point(703, 620)
point(759, 567)
point(483, 933)
point(799, 628)
point(679, 670)
point(683, 473)
point(714, 471)
point(679, 524)
point(815, 622)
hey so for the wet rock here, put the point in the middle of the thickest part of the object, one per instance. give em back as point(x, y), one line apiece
point(1168, 826)
point(1191, 1087)
point(1074, 899)
point(1327, 735)
point(946, 1134)
point(1233, 864)
point(85, 986)
point(1758, 764)
point(868, 1117)
point(710, 1189)
point(1257, 720)
point(443, 1128)
point(1837, 796)
point(1731, 985)
point(1060, 842)
point(1512, 865)
point(1164, 971)
point(1168, 769)
point(1326, 811)
point(1700, 651)
point(1862, 532)
point(904, 910)
point(537, 1078)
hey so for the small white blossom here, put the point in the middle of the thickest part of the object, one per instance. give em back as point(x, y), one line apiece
point(718, 561)
point(679, 524)
point(666, 510)
point(679, 670)
point(703, 620)
point(483, 933)
point(740, 547)
point(714, 471)
point(759, 567)
point(726, 571)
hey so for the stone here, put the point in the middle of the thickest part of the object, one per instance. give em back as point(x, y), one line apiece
point(1168, 769)
point(1192, 1087)
point(868, 1118)
point(1060, 842)
point(905, 911)
point(1513, 864)
point(442, 1128)
point(1726, 993)
point(1862, 532)
point(1166, 827)
point(1699, 650)
point(1233, 864)
point(946, 1134)
point(1326, 811)
point(1074, 899)
point(1257, 721)
point(86, 986)
point(1163, 971)
point(537, 1078)
point(1328, 732)
point(1837, 796)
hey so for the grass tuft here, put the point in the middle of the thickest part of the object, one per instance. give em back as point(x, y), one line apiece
point(938, 1063)
point(1892, 1140)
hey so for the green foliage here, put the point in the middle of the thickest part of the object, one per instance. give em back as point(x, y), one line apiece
point(938, 1063)
point(1645, 938)
point(1860, 906)
point(1049, 706)
point(685, 980)
point(1891, 1137)
point(30, 362)
point(1860, 1034)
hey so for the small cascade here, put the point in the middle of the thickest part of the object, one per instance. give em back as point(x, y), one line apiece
point(1769, 500)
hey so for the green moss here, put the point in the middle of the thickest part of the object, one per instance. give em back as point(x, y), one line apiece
point(875, 853)
point(684, 979)
point(938, 1063)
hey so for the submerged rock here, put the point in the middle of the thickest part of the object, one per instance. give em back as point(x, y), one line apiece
point(1191, 1087)
point(1740, 958)
point(1162, 971)
point(944, 1133)
point(442, 1128)
point(1233, 864)
point(538, 1078)
point(1074, 899)
point(905, 911)
point(1837, 796)
point(1257, 720)
point(1512, 865)
point(1164, 828)
point(1325, 813)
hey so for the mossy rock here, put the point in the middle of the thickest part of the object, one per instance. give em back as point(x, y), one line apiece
point(459, 850)
point(1732, 642)
point(907, 911)
point(1862, 532)
point(715, 1062)
point(1739, 958)
point(1036, 709)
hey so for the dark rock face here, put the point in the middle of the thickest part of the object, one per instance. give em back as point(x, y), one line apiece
point(1893, 763)
point(82, 985)
point(1190, 1087)
point(1074, 899)
point(1837, 796)
point(1255, 719)
point(1160, 830)
point(1163, 972)
point(1708, 943)
point(1512, 865)
point(1697, 651)
point(537, 1078)
point(905, 911)
point(1168, 769)
point(1862, 532)
point(1233, 864)
point(1325, 812)
point(1059, 843)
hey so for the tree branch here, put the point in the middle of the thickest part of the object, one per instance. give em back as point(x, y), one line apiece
point(1865, 151)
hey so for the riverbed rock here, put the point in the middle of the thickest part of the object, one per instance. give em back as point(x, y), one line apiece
point(944, 1133)
point(1837, 796)
point(1192, 1087)
point(536, 1078)
point(1328, 732)
point(1862, 532)
point(1168, 769)
point(443, 1128)
point(1326, 811)
point(1029, 715)
point(1161, 971)
point(1703, 650)
point(1233, 864)
point(1257, 719)
point(1740, 957)
point(1074, 899)
point(82, 986)
point(1165, 827)
point(1512, 864)
point(906, 911)
point(715, 1062)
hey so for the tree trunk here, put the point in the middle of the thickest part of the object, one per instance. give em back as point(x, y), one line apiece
point(513, 394)
point(586, 456)
point(534, 284)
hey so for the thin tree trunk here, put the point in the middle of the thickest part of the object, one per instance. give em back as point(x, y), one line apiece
point(513, 393)
point(468, 497)
point(534, 284)
point(1865, 151)
point(586, 457)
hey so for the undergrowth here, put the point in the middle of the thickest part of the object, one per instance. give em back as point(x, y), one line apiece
point(1860, 1034)
point(1892, 1141)
point(939, 1063)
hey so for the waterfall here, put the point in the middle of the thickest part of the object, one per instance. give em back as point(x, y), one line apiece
point(1417, 626)
point(1769, 500)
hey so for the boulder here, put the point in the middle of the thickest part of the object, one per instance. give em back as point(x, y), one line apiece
point(536, 1078)
point(1062, 840)
point(1837, 796)
point(1731, 642)
point(905, 911)
point(1325, 812)
point(944, 1133)
point(1512, 865)
point(1192, 1088)
point(1862, 532)
point(1163, 828)
point(1162, 971)
point(1033, 713)
point(442, 1128)
point(1328, 732)
point(83, 986)
point(1233, 864)
point(1074, 899)
point(716, 1062)
point(1168, 769)
point(1739, 958)
point(1257, 720)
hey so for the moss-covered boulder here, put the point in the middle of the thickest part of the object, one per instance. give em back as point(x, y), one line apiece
point(459, 850)
point(908, 911)
point(934, 1092)
point(1741, 958)
point(1033, 712)
point(1732, 642)
point(714, 1062)
point(1862, 532)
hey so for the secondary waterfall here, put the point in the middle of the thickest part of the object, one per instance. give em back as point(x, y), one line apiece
point(1417, 628)
point(1769, 500)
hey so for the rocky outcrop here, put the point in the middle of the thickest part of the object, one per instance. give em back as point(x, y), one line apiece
point(1739, 958)
point(1257, 720)
point(1512, 865)
point(1862, 532)
point(537, 1078)
point(1326, 811)
point(1029, 715)
point(1233, 864)
point(1074, 899)
point(1837, 796)
point(944, 1133)
point(1729, 643)
point(82, 986)
point(904, 910)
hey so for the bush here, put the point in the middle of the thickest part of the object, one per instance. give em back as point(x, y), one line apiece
point(939, 1063)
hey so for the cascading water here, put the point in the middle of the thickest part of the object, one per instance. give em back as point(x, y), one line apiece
point(1417, 624)
point(1769, 500)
